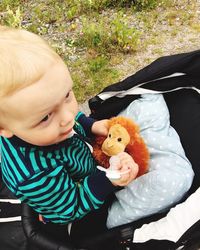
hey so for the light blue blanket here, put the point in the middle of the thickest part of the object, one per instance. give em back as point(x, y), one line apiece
point(170, 173)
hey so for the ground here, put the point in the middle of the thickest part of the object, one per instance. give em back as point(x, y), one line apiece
point(178, 37)
point(100, 47)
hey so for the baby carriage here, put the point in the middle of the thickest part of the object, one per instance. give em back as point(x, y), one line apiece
point(177, 78)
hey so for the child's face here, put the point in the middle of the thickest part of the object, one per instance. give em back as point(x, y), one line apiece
point(42, 113)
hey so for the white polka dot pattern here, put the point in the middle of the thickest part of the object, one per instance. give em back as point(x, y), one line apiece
point(170, 173)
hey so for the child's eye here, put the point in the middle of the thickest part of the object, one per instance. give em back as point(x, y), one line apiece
point(46, 118)
point(67, 95)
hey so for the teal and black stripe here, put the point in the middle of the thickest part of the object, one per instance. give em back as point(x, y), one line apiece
point(59, 181)
point(54, 182)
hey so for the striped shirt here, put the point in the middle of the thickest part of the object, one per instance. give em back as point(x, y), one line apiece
point(59, 181)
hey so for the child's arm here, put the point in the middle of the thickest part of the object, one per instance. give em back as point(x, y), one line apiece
point(100, 127)
point(91, 126)
point(60, 199)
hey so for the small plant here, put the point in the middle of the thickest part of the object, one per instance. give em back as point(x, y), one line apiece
point(92, 36)
point(115, 36)
point(146, 4)
point(13, 4)
point(97, 64)
point(76, 7)
point(13, 18)
point(72, 12)
point(126, 38)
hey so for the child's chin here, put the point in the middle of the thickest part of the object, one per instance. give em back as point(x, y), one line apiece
point(64, 137)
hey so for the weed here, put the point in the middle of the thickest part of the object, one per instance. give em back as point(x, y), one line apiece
point(124, 37)
point(97, 64)
point(109, 36)
point(13, 4)
point(145, 4)
point(12, 18)
point(77, 7)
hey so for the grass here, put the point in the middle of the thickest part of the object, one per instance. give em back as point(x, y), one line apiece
point(94, 37)
point(107, 36)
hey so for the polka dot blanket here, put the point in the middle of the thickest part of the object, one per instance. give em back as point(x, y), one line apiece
point(170, 173)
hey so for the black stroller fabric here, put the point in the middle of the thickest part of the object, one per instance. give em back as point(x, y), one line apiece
point(178, 78)
point(12, 235)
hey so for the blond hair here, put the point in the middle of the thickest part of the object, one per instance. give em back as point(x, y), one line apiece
point(24, 57)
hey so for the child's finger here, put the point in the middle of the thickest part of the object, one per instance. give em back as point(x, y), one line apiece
point(124, 180)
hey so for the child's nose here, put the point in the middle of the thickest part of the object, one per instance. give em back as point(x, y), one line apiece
point(66, 117)
point(63, 123)
point(66, 120)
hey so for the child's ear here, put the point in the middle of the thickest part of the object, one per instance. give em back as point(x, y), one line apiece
point(5, 133)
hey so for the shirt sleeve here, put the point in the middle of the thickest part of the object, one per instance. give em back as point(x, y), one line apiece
point(59, 199)
point(86, 123)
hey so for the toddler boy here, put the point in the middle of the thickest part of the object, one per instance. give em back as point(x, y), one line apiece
point(45, 159)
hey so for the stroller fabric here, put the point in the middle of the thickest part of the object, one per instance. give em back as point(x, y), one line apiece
point(12, 235)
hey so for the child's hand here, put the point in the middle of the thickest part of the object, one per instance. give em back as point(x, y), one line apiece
point(100, 127)
point(126, 164)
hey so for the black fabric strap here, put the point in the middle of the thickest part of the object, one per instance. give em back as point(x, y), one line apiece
point(9, 210)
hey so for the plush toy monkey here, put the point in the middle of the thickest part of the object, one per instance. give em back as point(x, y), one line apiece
point(123, 136)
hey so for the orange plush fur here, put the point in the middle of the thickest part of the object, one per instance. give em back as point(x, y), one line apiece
point(136, 147)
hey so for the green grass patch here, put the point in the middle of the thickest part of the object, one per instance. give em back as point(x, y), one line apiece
point(108, 36)
point(91, 75)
